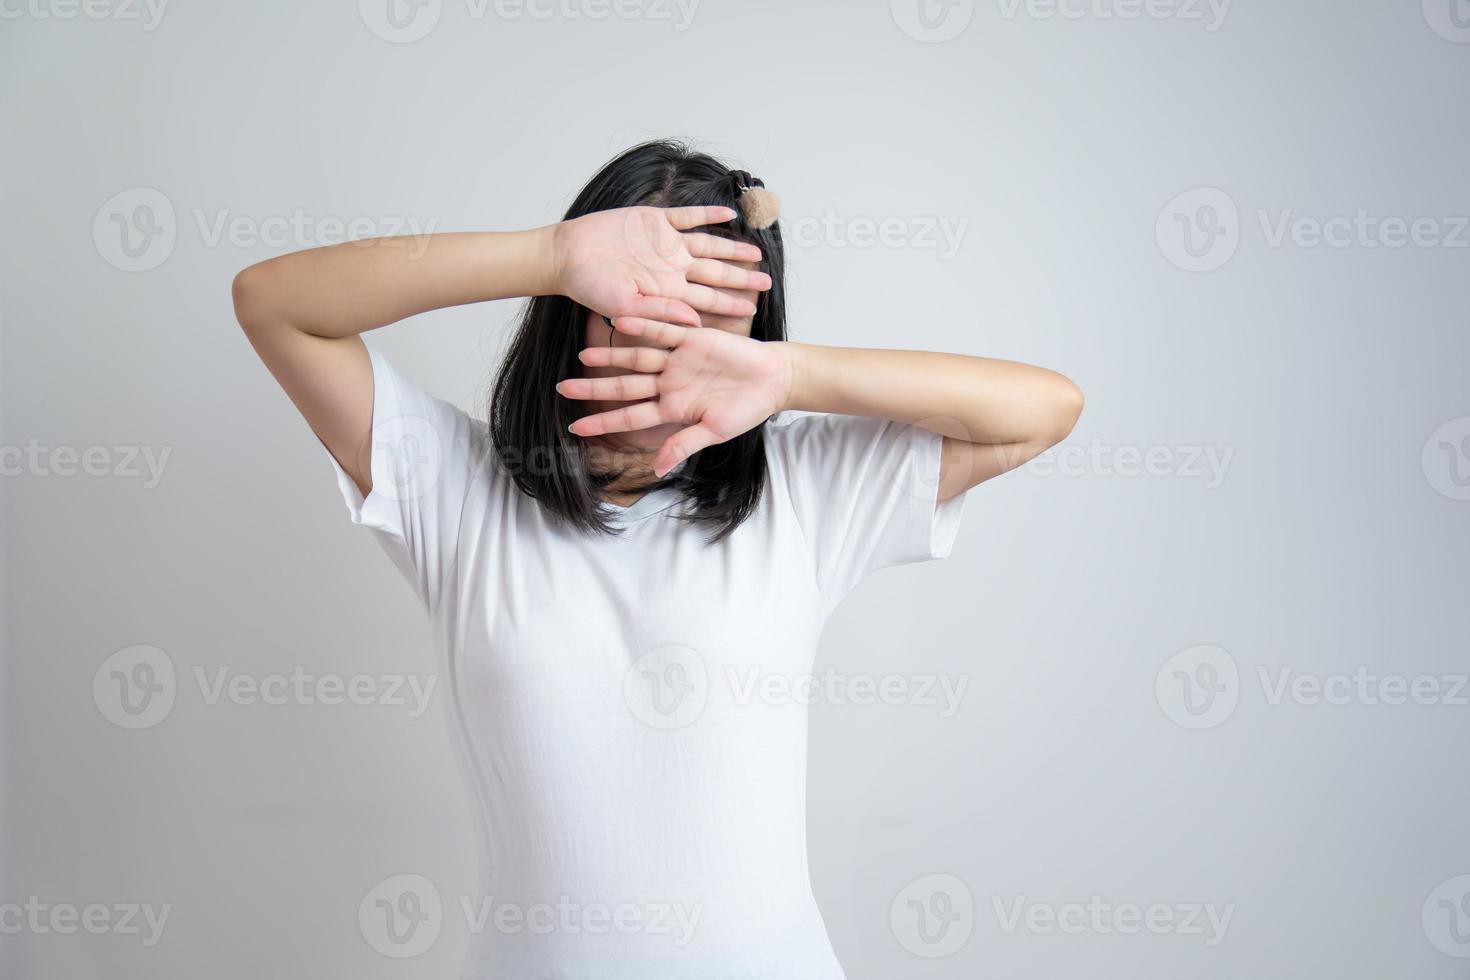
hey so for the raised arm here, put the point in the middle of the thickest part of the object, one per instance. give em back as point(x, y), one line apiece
point(994, 415)
point(303, 312)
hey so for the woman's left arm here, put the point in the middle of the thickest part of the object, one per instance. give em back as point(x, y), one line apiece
point(994, 415)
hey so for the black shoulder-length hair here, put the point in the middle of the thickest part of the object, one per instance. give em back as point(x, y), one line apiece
point(721, 484)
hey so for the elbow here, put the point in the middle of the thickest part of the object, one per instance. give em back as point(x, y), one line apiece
point(251, 293)
point(1067, 403)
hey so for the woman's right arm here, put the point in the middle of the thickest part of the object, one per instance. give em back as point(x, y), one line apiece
point(303, 312)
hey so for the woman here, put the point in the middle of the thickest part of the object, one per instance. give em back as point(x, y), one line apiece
point(631, 540)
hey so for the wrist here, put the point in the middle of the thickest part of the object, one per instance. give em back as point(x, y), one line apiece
point(544, 273)
point(799, 369)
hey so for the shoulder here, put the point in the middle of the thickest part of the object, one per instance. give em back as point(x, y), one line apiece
point(422, 443)
point(827, 442)
point(795, 433)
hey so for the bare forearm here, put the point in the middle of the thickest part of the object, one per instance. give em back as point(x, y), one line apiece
point(974, 399)
point(344, 290)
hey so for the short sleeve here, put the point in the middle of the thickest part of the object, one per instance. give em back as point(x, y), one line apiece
point(427, 455)
point(865, 494)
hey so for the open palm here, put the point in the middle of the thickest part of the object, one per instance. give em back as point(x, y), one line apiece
point(648, 262)
point(714, 383)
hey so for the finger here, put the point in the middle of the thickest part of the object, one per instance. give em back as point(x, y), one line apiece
point(655, 332)
point(661, 308)
point(712, 272)
point(713, 301)
point(697, 217)
point(681, 445)
point(644, 415)
point(646, 359)
point(624, 388)
point(703, 245)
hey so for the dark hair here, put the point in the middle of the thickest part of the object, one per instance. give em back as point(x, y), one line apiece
point(528, 419)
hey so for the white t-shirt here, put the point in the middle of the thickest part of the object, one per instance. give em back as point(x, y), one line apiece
point(630, 708)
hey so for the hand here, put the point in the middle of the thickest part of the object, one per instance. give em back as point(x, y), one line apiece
point(715, 383)
point(646, 262)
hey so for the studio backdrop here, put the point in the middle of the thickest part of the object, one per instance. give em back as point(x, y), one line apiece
point(1189, 698)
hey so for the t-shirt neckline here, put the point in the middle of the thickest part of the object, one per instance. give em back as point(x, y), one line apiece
point(654, 501)
point(651, 503)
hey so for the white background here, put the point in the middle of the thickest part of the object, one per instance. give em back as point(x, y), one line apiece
point(1334, 539)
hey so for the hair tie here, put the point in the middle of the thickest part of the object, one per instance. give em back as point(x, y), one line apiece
point(760, 207)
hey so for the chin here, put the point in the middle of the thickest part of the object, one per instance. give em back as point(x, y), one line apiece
point(648, 439)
